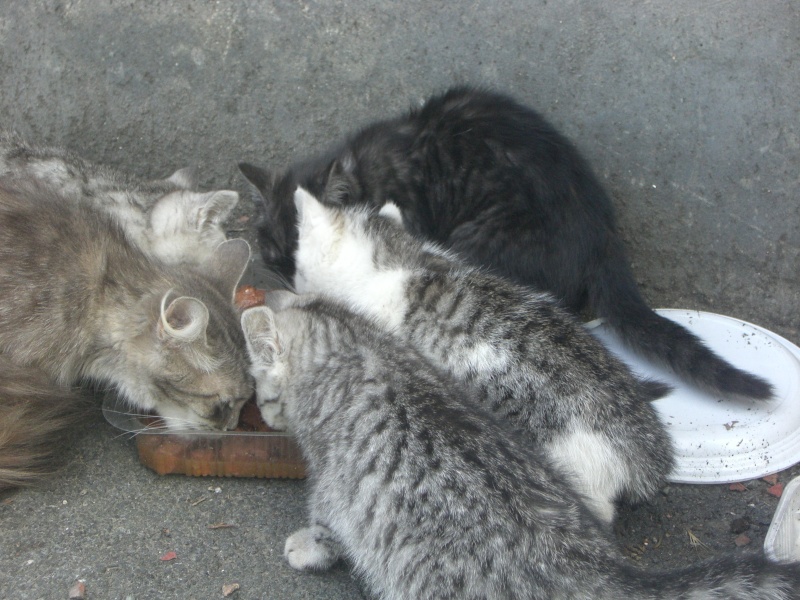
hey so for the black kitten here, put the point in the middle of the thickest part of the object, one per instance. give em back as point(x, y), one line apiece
point(491, 179)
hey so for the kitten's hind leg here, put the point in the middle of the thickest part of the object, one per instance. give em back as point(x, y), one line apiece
point(312, 549)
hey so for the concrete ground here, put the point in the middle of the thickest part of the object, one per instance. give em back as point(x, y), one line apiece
point(687, 110)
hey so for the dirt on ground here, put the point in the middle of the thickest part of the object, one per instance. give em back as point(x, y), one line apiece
point(687, 523)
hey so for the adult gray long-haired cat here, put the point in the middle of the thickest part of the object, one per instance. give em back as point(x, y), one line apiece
point(166, 218)
point(428, 496)
point(80, 301)
point(531, 362)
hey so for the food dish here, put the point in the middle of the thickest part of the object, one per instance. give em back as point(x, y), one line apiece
point(721, 440)
point(252, 450)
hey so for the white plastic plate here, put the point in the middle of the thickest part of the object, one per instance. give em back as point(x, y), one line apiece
point(717, 439)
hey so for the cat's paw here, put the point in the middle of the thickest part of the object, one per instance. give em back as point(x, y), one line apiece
point(311, 549)
point(274, 415)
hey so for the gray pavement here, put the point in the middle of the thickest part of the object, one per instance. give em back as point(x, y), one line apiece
point(687, 110)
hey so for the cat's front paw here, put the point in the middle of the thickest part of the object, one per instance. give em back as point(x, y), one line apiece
point(274, 415)
point(311, 549)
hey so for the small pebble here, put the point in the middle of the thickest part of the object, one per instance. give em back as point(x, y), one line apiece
point(77, 591)
point(740, 525)
point(741, 540)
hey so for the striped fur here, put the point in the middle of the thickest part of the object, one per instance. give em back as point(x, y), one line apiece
point(430, 497)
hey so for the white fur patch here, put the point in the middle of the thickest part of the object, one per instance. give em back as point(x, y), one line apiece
point(598, 472)
point(391, 211)
point(305, 553)
point(481, 357)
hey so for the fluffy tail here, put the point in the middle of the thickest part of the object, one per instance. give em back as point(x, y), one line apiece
point(35, 417)
point(733, 577)
point(614, 295)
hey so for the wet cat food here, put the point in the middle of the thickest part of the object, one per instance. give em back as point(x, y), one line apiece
point(251, 450)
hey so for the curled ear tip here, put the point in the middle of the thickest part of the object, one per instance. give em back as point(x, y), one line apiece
point(236, 243)
point(225, 193)
point(254, 316)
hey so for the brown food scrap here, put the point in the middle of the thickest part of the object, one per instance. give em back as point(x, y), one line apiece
point(168, 556)
point(248, 296)
point(250, 418)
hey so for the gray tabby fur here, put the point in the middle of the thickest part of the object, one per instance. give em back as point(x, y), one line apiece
point(428, 496)
point(529, 361)
point(166, 217)
point(79, 301)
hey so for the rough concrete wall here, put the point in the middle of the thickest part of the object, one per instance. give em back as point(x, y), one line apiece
point(688, 110)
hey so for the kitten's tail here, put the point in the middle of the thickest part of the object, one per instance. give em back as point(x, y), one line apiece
point(614, 295)
point(35, 417)
point(731, 577)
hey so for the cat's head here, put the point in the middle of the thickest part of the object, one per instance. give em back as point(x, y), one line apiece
point(186, 226)
point(188, 359)
point(352, 246)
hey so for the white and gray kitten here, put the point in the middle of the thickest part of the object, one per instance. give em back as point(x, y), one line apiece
point(530, 362)
point(167, 218)
point(429, 496)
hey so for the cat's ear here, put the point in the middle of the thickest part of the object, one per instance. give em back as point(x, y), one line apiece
point(309, 209)
point(261, 182)
point(184, 320)
point(185, 178)
point(263, 344)
point(339, 183)
point(391, 212)
point(227, 265)
point(211, 209)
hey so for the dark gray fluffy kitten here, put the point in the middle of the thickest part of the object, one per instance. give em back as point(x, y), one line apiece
point(491, 179)
point(529, 361)
point(429, 497)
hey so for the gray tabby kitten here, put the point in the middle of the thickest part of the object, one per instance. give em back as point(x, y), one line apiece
point(430, 497)
point(530, 362)
point(79, 301)
point(166, 218)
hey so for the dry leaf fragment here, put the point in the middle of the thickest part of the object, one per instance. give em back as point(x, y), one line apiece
point(776, 490)
point(737, 487)
point(221, 526)
point(229, 588)
point(169, 556)
point(695, 541)
point(771, 479)
point(741, 540)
